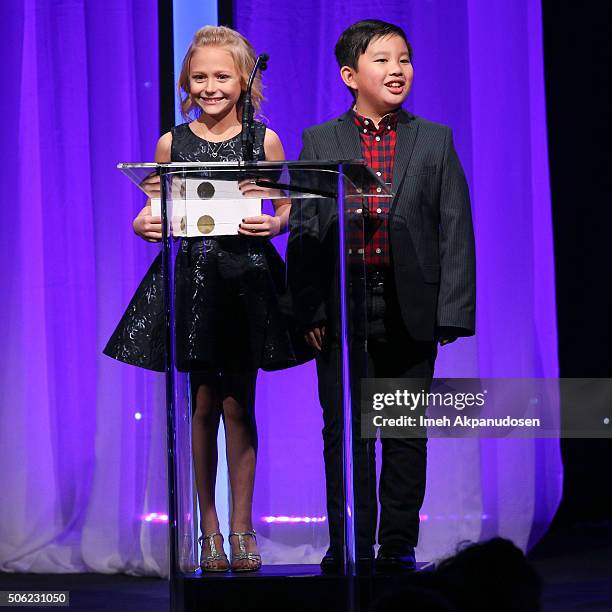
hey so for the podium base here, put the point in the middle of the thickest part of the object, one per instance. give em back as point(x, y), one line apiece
point(276, 588)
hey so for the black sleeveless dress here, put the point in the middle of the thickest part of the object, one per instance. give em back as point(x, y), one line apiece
point(231, 302)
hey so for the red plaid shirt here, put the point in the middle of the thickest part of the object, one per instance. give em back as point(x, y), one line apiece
point(378, 148)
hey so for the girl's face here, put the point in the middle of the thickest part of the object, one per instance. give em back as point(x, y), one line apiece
point(214, 81)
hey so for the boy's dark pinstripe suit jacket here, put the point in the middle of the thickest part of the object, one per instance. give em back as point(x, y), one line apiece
point(431, 233)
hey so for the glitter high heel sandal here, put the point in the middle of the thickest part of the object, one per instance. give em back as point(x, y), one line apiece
point(243, 554)
point(210, 562)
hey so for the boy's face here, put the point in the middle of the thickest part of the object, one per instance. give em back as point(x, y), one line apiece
point(383, 77)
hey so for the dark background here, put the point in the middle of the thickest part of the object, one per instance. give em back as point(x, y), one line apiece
point(576, 47)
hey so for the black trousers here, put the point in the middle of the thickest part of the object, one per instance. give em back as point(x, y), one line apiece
point(390, 352)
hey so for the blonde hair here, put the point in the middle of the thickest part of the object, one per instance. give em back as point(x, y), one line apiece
point(244, 58)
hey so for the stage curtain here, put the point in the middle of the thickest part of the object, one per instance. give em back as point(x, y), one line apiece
point(81, 474)
point(79, 471)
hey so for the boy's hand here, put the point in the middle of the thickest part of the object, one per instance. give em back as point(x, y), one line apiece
point(446, 335)
point(314, 337)
point(146, 226)
point(262, 225)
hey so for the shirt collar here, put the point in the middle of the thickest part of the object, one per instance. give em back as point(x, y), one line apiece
point(387, 123)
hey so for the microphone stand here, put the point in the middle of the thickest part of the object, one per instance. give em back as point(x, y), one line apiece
point(246, 136)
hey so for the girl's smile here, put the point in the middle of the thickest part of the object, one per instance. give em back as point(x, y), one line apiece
point(214, 81)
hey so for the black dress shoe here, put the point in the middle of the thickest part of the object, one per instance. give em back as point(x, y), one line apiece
point(396, 562)
point(332, 563)
point(365, 565)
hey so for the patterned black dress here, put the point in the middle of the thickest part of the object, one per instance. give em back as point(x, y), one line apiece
point(231, 303)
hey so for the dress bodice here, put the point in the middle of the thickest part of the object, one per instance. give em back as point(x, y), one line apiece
point(189, 147)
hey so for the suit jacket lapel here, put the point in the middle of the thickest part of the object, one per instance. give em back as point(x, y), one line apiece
point(348, 137)
point(406, 138)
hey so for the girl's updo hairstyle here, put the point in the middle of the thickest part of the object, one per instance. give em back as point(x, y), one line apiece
point(244, 57)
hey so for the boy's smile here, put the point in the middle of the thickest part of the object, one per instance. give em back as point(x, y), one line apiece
point(383, 77)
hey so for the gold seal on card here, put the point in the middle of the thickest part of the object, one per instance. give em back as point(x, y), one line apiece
point(206, 224)
point(205, 191)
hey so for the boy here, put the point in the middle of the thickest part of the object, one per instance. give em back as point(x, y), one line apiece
point(420, 279)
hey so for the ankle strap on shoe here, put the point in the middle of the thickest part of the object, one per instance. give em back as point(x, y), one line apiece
point(211, 542)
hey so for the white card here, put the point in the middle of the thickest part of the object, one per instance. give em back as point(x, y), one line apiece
point(195, 217)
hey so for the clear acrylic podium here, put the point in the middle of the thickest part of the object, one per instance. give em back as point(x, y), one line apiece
point(199, 202)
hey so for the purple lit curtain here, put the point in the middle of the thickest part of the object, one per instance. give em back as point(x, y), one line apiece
point(479, 69)
point(82, 438)
point(79, 471)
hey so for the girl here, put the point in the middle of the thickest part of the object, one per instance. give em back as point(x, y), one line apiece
point(229, 322)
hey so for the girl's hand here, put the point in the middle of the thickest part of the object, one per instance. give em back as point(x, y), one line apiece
point(262, 225)
point(146, 226)
point(249, 189)
point(150, 185)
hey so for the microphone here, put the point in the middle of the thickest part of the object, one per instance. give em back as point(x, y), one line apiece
point(247, 109)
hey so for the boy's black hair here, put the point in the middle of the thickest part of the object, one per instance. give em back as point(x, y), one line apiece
point(354, 41)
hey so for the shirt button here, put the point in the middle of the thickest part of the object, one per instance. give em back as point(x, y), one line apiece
point(379, 210)
point(388, 127)
point(377, 138)
point(364, 131)
point(378, 174)
point(367, 122)
point(358, 211)
point(379, 189)
point(350, 251)
point(378, 251)
point(360, 251)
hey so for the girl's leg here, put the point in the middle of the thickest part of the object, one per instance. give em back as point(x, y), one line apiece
point(204, 430)
point(241, 441)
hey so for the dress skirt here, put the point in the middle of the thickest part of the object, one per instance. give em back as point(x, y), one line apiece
point(232, 311)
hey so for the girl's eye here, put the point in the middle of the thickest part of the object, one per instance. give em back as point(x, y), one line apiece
point(381, 59)
point(405, 61)
point(222, 77)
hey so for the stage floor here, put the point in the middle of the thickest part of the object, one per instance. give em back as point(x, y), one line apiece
point(575, 566)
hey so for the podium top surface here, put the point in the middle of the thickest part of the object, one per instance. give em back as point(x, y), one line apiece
point(285, 179)
point(322, 164)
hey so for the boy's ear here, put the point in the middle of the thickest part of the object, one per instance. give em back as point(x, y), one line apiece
point(347, 74)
